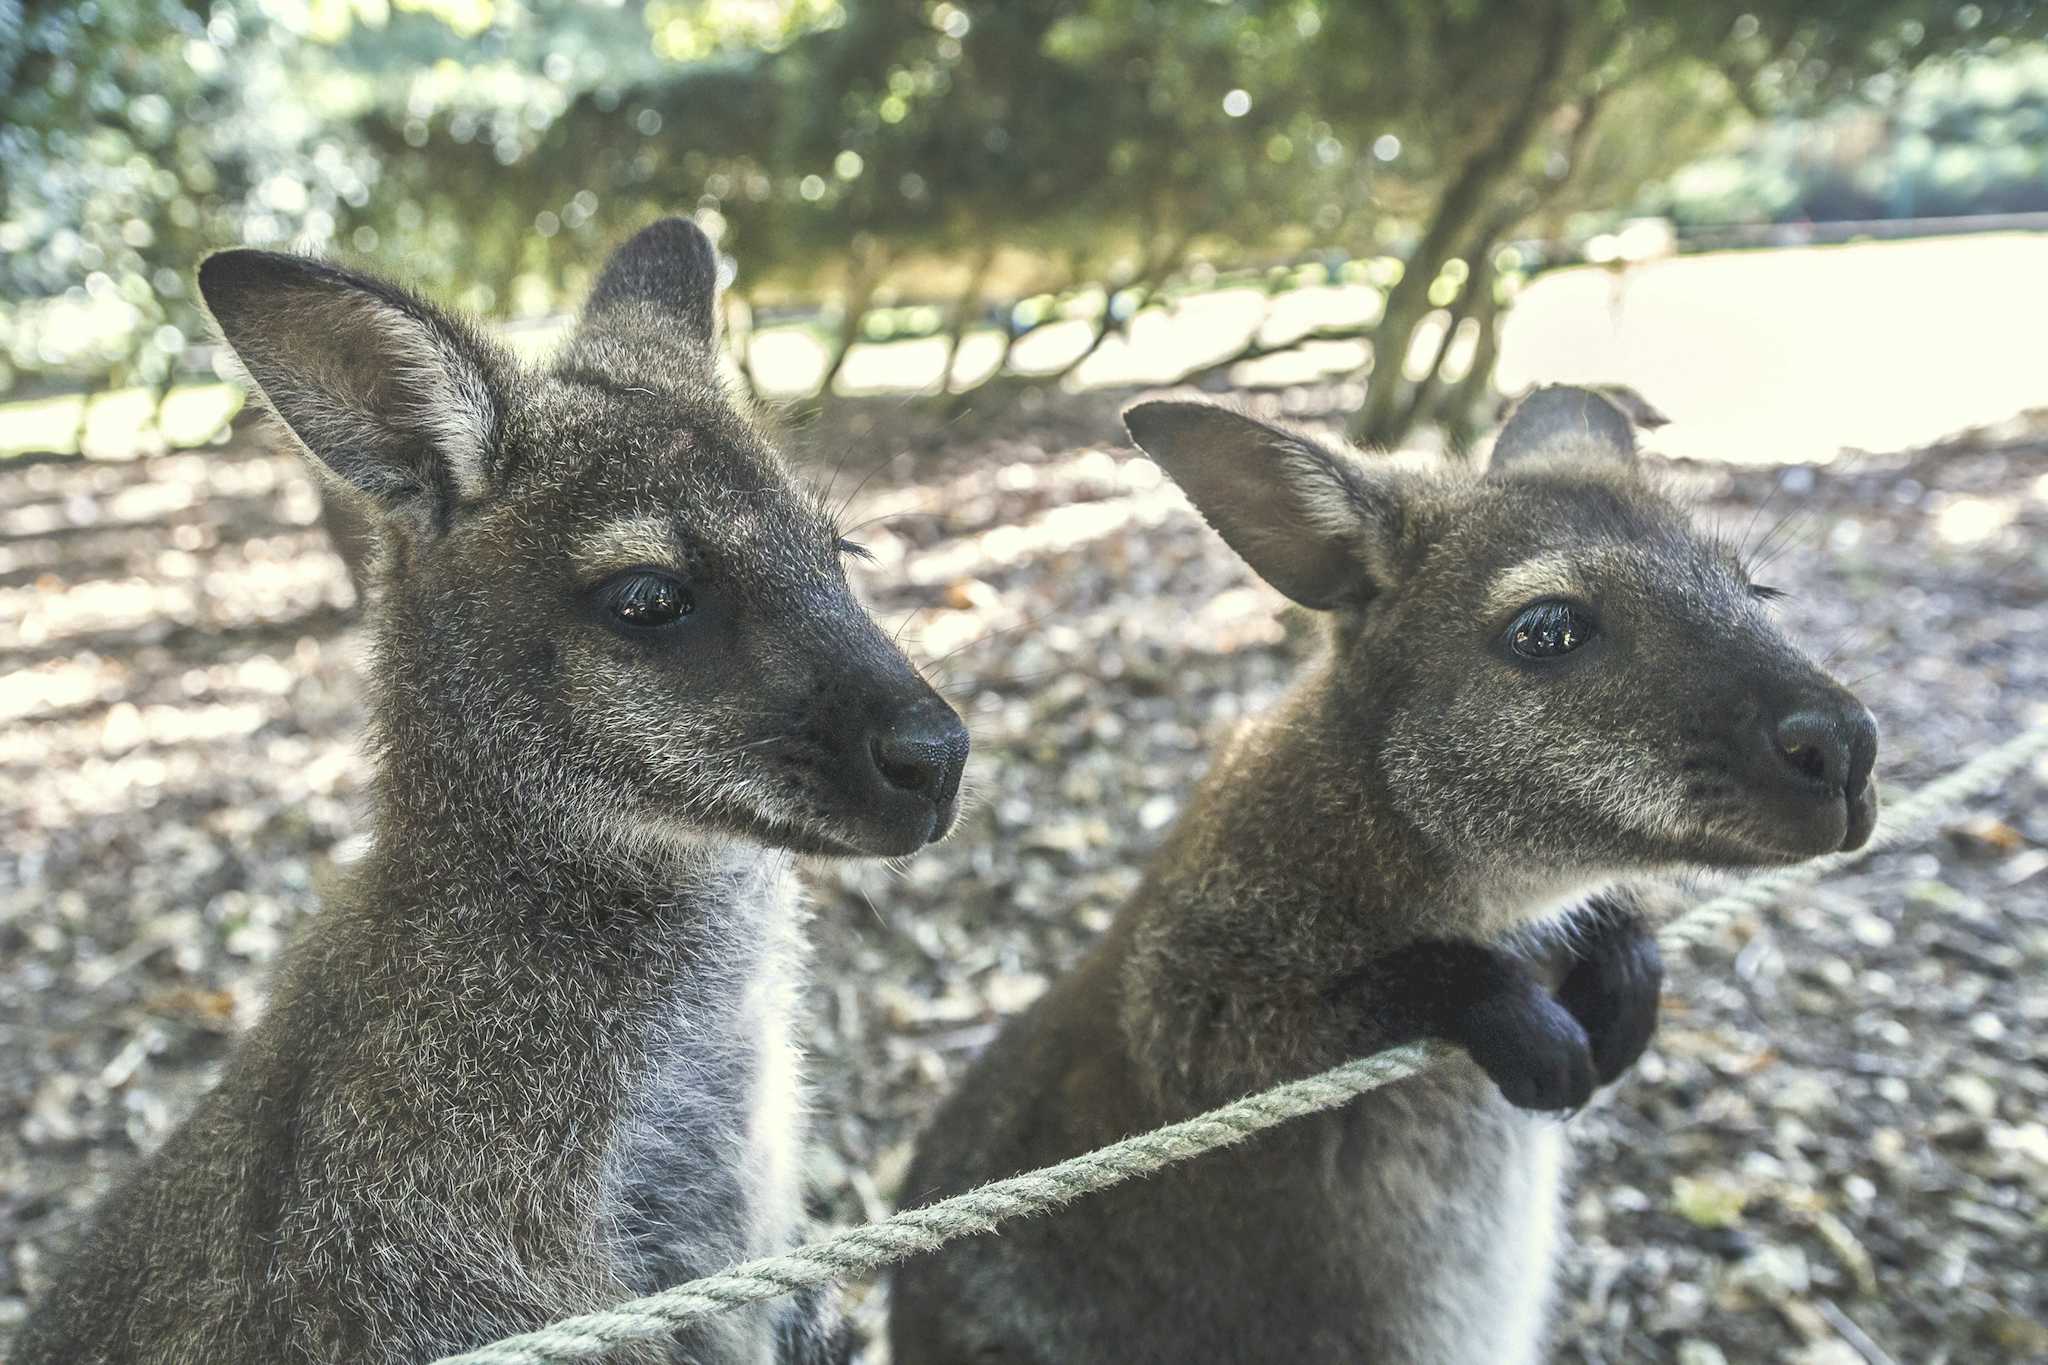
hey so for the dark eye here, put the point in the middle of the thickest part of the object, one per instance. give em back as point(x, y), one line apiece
point(1549, 630)
point(1765, 594)
point(854, 549)
point(648, 600)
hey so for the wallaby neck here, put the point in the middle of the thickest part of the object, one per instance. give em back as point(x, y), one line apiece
point(1292, 871)
point(1290, 805)
point(1296, 820)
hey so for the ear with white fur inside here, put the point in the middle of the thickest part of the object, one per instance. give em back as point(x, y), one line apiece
point(393, 397)
point(1314, 523)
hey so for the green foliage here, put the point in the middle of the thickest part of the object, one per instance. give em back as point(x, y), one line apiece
point(1960, 136)
point(878, 151)
point(112, 114)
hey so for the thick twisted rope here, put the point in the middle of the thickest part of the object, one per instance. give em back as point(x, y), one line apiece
point(857, 1250)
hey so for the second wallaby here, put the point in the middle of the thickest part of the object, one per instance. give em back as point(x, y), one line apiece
point(538, 1054)
point(1535, 682)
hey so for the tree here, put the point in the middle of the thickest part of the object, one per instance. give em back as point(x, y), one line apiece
point(1549, 71)
point(964, 151)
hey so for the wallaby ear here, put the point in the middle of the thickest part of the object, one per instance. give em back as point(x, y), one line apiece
point(652, 318)
point(1638, 409)
point(1310, 521)
point(670, 267)
point(394, 397)
point(1565, 422)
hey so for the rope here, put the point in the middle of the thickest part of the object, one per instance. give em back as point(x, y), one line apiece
point(1908, 821)
point(868, 1247)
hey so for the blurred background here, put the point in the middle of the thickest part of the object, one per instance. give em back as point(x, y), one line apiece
point(1810, 239)
point(930, 197)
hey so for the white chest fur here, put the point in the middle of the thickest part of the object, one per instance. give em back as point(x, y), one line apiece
point(706, 1164)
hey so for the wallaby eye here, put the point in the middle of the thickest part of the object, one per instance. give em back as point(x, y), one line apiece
point(1550, 630)
point(853, 549)
point(1765, 594)
point(647, 600)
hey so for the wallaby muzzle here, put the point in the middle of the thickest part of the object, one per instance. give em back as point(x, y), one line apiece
point(1810, 757)
point(913, 764)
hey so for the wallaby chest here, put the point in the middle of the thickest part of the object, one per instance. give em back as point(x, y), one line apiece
point(1426, 1210)
point(704, 1166)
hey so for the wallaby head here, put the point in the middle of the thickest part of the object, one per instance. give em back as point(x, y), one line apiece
point(596, 583)
point(1544, 669)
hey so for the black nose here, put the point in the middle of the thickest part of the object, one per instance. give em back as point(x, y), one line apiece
point(1832, 745)
point(921, 751)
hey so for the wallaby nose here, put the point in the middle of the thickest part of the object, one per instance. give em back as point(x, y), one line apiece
point(1812, 745)
point(922, 751)
point(1832, 745)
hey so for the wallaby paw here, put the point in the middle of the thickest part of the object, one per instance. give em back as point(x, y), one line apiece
point(1612, 990)
point(1531, 1046)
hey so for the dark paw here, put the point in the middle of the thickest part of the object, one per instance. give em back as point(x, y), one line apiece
point(1612, 990)
point(1530, 1045)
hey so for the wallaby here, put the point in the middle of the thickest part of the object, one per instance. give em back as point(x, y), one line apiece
point(1534, 682)
point(538, 1054)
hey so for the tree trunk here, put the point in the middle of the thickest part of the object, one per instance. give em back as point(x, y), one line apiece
point(1103, 321)
point(1477, 294)
point(963, 314)
point(1150, 274)
point(93, 389)
point(870, 263)
point(739, 340)
point(1456, 411)
point(1012, 333)
point(1378, 422)
point(159, 395)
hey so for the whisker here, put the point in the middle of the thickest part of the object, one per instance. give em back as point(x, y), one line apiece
point(988, 635)
point(873, 470)
point(997, 684)
point(825, 498)
point(1857, 635)
point(896, 515)
point(1777, 485)
point(1795, 527)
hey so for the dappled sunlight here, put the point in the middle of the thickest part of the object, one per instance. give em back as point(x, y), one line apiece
point(116, 419)
point(1783, 355)
point(1966, 520)
point(945, 244)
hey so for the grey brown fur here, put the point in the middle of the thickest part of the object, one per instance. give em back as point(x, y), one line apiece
point(1424, 839)
point(537, 1055)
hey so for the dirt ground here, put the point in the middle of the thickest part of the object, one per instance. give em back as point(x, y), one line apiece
point(1834, 1152)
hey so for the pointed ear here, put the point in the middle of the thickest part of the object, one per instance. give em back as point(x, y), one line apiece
point(1569, 423)
point(1314, 523)
point(1638, 409)
point(397, 399)
point(655, 304)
